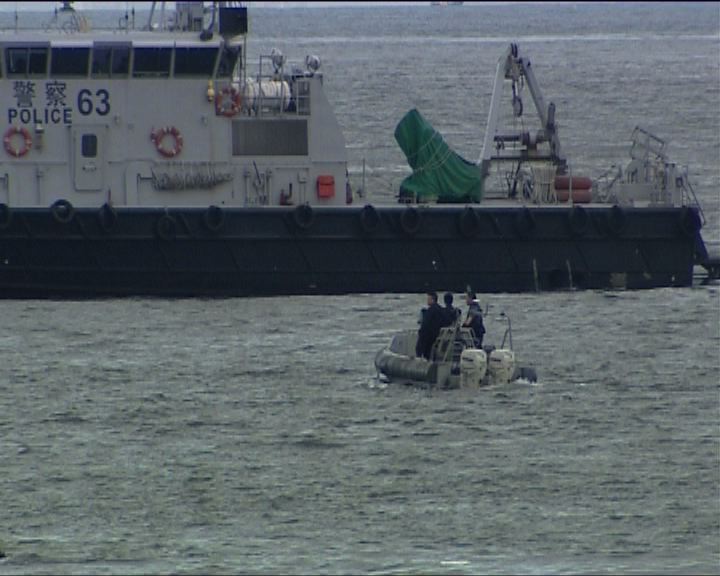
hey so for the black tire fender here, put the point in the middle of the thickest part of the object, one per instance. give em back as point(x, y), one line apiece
point(468, 222)
point(410, 220)
point(369, 219)
point(62, 211)
point(107, 217)
point(5, 216)
point(166, 227)
point(616, 220)
point(579, 220)
point(214, 218)
point(303, 216)
point(525, 222)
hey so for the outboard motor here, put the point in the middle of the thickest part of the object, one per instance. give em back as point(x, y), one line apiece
point(473, 366)
point(501, 366)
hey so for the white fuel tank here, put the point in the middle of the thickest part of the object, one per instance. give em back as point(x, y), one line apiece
point(473, 366)
point(501, 366)
point(270, 94)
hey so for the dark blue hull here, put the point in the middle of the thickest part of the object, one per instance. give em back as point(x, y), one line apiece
point(272, 251)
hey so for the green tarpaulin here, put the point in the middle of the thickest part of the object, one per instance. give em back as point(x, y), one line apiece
point(439, 174)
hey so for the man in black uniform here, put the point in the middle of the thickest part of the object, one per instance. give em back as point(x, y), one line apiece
point(430, 327)
point(450, 313)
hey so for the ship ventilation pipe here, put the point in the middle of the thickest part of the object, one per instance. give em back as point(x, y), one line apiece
point(278, 59)
point(312, 63)
point(207, 34)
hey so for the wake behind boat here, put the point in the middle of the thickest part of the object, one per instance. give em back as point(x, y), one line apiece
point(454, 361)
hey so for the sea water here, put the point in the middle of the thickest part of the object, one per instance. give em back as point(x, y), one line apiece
point(253, 435)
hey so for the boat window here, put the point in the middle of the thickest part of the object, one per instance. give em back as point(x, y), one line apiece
point(228, 60)
point(111, 61)
point(17, 61)
point(38, 62)
point(152, 62)
point(260, 137)
point(26, 61)
point(69, 61)
point(89, 146)
point(195, 61)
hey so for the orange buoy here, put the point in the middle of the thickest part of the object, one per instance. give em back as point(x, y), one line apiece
point(578, 183)
point(579, 195)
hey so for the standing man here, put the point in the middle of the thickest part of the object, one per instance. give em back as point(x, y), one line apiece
point(474, 318)
point(451, 314)
point(430, 328)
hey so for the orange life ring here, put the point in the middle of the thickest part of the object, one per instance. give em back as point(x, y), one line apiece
point(8, 138)
point(228, 101)
point(158, 136)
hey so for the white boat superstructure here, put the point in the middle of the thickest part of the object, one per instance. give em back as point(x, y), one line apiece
point(164, 114)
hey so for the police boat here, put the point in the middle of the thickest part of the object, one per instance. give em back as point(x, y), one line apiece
point(149, 159)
